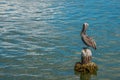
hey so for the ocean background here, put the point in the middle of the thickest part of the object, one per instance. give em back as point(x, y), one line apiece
point(40, 39)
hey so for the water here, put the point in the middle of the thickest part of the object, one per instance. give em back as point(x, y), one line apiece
point(40, 39)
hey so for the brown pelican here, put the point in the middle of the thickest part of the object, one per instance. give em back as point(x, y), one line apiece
point(85, 38)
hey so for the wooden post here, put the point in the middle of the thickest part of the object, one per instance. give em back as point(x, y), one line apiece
point(86, 65)
point(86, 56)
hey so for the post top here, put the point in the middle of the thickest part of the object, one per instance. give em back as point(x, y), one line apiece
point(86, 52)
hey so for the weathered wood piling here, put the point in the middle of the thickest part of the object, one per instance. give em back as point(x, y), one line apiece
point(85, 65)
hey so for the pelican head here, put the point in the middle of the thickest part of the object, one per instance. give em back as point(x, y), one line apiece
point(85, 25)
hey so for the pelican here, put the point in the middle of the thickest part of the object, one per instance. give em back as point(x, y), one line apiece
point(85, 38)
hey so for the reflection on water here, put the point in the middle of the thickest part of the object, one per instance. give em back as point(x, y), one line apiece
point(39, 39)
point(86, 76)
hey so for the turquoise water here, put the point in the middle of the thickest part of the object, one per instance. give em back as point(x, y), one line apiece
point(40, 39)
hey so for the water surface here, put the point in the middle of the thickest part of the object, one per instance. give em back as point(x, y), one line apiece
point(40, 39)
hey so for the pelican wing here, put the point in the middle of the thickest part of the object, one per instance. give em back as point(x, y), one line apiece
point(89, 41)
